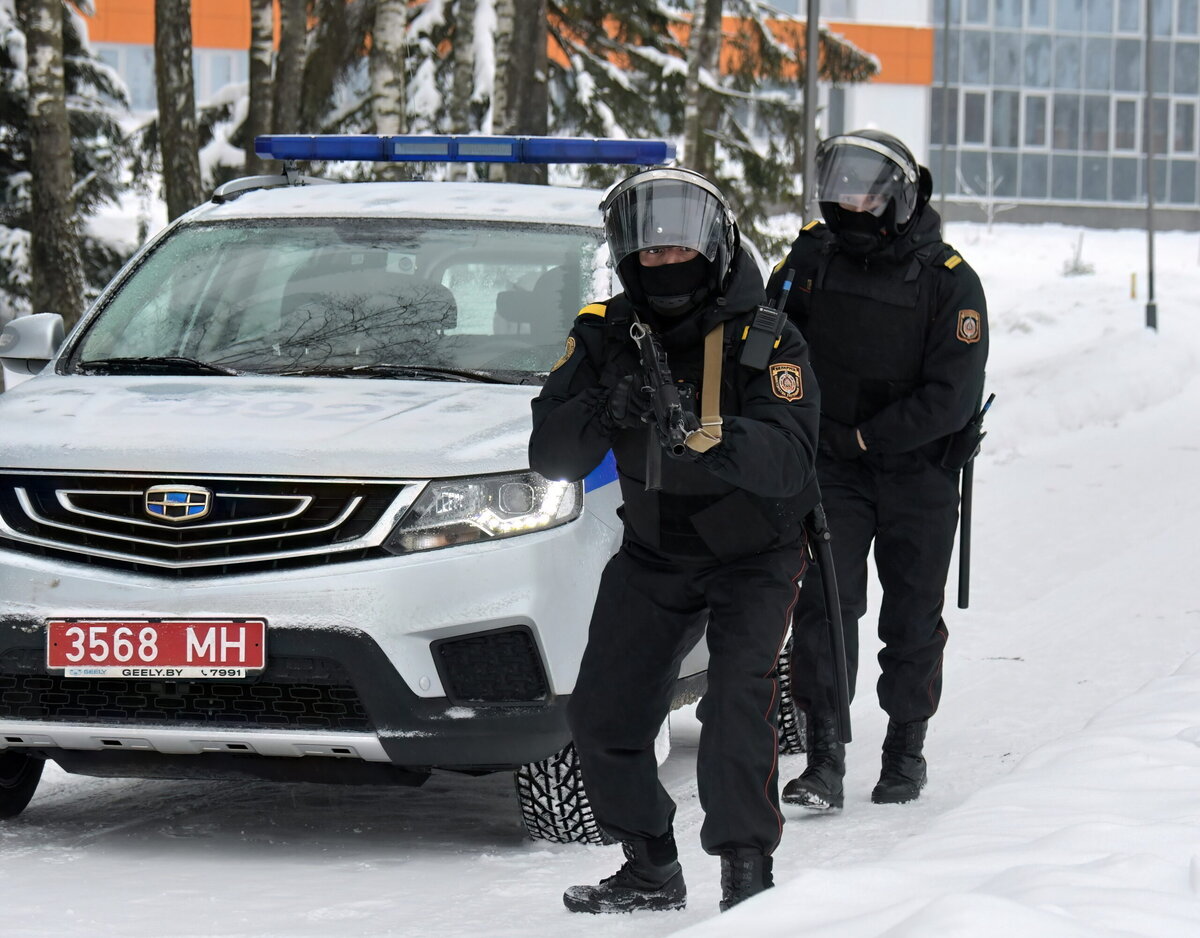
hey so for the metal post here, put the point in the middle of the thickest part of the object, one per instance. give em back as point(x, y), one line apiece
point(942, 176)
point(1151, 307)
point(812, 59)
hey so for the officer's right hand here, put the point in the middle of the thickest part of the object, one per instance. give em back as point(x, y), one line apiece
point(629, 404)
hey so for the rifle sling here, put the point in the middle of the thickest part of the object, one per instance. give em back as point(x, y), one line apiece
point(709, 434)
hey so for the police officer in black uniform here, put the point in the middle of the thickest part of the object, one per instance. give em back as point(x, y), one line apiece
point(720, 541)
point(897, 327)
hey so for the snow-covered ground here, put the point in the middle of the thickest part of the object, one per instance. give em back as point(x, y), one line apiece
point(1064, 794)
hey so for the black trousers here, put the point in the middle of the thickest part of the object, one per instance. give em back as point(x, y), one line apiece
point(908, 506)
point(649, 613)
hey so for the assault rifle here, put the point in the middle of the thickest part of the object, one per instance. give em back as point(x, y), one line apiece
point(670, 419)
point(822, 552)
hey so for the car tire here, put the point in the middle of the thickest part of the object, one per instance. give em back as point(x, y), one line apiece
point(19, 777)
point(790, 723)
point(554, 804)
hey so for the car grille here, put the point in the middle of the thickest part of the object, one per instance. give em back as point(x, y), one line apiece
point(293, 692)
point(197, 526)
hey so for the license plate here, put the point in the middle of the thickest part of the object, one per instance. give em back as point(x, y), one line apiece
point(162, 649)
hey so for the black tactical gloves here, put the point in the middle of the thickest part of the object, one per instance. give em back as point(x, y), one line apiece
point(841, 440)
point(628, 405)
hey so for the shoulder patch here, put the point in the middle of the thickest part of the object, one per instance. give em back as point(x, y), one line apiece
point(952, 261)
point(811, 224)
point(778, 266)
point(968, 326)
point(787, 381)
point(566, 355)
point(594, 309)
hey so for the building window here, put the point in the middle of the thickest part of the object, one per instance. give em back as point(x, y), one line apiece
point(1007, 58)
point(1097, 64)
point(974, 118)
point(1187, 18)
point(1008, 13)
point(1095, 123)
point(1183, 182)
point(1006, 118)
point(1094, 179)
point(952, 64)
point(1187, 68)
point(1037, 13)
point(1160, 114)
point(1125, 125)
point(1035, 120)
point(976, 57)
point(1127, 65)
point(1129, 16)
point(1185, 127)
point(1066, 62)
point(1068, 15)
point(977, 11)
point(1066, 122)
point(944, 106)
point(1126, 182)
point(1034, 175)
point(1100, 16)
point(1162, 16)
point(1037, 61)
point(1004, 174)
point(1064, 177)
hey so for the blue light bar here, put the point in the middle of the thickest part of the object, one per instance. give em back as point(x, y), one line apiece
point(462, 149)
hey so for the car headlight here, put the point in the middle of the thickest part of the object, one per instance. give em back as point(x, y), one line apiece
point(464, 511)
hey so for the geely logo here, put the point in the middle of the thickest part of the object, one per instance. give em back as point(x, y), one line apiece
point(178, 502)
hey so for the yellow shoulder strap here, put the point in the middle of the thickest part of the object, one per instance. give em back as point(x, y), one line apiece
point(811, 224)
point(953, 261)
point(594, 309)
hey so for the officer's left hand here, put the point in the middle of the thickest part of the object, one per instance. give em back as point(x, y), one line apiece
point(841, 440)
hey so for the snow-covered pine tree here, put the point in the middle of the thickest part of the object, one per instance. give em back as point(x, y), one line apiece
point(96, 101)
point(627, 73)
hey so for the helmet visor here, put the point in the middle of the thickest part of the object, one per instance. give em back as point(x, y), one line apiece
point(664, 212)
point(861, 179)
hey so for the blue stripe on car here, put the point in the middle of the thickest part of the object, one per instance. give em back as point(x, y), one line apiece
point(603, 474)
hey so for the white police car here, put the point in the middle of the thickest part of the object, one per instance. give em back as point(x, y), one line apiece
point(267, 510)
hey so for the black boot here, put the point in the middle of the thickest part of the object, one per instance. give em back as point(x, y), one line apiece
point(904, 772)
point(820, 787)
point(650, 880)
point(744, 873)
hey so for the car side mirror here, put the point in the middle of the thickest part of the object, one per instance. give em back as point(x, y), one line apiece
point(28, 343)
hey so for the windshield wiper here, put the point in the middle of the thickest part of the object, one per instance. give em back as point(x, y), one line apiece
point(389, 370)
point(153, 364)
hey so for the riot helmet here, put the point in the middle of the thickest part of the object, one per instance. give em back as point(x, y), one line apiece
point(869, 187)
point(663, 208)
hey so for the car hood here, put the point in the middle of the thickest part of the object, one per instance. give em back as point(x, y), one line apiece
point(324, 427)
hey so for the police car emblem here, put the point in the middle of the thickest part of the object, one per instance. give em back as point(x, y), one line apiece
point(177, 502)
point(968, 326)
point(787, 381)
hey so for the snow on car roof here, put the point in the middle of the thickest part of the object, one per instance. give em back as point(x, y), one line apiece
point(468, 200)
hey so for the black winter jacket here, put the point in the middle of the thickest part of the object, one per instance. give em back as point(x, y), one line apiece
point(746, 495)
point(899, 339)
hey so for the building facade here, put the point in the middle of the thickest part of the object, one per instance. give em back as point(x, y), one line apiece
point(1036, 108)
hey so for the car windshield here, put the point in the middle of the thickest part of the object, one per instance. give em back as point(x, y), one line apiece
point(438, 300)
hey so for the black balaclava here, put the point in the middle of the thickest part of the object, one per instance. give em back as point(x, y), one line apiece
point(861, 233)
point(674, 289)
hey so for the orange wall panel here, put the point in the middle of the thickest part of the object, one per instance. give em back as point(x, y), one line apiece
point(216, 24)
point(905, 53)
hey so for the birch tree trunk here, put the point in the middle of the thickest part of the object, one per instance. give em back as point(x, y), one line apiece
point(289, 67)
point(178, 137)
point(389, 51)
point(521, 104)
point(262, 48)
point(462, 88)
point(56, 270)
point(704, 55)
